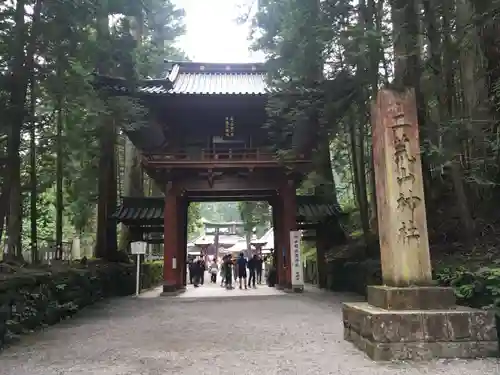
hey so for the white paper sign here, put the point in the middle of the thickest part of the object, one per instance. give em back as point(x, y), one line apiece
point(138, 247)
point(295, 257)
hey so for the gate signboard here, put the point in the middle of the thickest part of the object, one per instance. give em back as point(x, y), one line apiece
point(296, 260)
point(138, 248)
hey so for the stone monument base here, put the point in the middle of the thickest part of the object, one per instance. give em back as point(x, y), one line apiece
point(418, 323)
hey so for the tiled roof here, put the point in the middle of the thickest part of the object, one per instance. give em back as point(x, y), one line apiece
point(146, 86)
point(140, 210)
point(267, 239)
point(238, 246)
point(313, 210)
point(217, 79)
point(149, 210)
point(187, 78)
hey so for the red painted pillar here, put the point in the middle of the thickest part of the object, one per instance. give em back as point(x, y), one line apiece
point(181, 241)
point(278, 240)
point(289, 224)
point(170, 239)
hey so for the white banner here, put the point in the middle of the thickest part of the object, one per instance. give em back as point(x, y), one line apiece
point(296, 260)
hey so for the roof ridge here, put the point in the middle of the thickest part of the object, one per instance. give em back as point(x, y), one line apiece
point(184, 66)
point(227, 72)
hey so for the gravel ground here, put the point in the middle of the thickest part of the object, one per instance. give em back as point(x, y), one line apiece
point(274, 334)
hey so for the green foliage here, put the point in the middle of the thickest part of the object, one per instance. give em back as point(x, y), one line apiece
point(151, 274)
point(308, 251)
point(194, 219)
point(33, 298)
point(480, 288)
point(69, 48)
point(255, 215)
point(475, 288)
point(220, 212)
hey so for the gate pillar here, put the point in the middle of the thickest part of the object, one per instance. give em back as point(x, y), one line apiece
point(289, 223)
point(182, 241)
point(171, 239)
point(278, 245)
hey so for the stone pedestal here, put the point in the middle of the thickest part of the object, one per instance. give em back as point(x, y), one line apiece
point(418, 323)
point(404, 321)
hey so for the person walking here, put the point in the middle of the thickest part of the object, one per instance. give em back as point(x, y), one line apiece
point(222, 272)
point(228, 272)
point(241, 264)
point(196, 273)
point(214, 269)
point(252, 269)
point(235, 270)
point(203, 268)
point(258, 269)
point(191, 268)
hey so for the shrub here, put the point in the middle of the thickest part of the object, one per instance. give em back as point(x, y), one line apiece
point(353, 276)
point(151, 274)
point(33, 298)
point(478, 289)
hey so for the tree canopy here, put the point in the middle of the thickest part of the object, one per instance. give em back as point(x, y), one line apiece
point(65, 160)
point(445, 50)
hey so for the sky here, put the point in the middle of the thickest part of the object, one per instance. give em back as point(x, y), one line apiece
point(213, 34)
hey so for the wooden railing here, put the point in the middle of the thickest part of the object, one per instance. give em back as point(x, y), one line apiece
point(210, 156)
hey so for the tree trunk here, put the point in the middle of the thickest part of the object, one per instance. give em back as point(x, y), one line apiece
point(106, 228)
point(22, 66)
point(106, 245)
point(59, 176)
point(133, 181)
point(468, 66)
point(33, 173)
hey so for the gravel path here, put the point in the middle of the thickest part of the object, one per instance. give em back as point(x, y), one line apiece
point(266, 334)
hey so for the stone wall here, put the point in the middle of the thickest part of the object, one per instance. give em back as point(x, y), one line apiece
point(32, 298)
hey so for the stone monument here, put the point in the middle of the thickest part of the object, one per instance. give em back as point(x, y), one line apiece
point(408, 317)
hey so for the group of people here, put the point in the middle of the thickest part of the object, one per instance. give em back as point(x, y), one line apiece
point(229, 269)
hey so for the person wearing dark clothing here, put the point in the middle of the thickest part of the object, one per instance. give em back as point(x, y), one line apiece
point(241, 263)
point(228, 272)
point(202, 271)
point(258, 269)
point(191, 268)
point(252, 265)
point(213, 269)
point(196, 273)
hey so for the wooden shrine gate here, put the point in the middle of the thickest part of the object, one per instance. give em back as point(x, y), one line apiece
point(205, 141)
point(145, 216)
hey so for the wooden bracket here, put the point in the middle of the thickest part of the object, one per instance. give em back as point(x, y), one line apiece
point(211, 176)
point(169, 187)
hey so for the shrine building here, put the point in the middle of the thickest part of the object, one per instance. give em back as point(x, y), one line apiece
point(206, 140)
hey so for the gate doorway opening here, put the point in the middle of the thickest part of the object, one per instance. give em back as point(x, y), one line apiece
point(233, 248)
point(151, 219)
